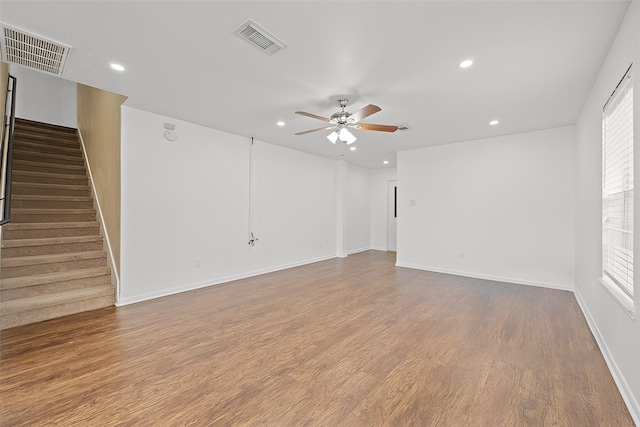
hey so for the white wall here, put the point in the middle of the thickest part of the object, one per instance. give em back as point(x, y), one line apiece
point(295, 207)
point(44, 98)
point(358, 209)
point(498, 208)
point(618, 334)
point(379, 206)
point(187, 201)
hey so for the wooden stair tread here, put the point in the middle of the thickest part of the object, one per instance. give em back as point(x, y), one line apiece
point(44, 127)
point(18, 151)
point(17, 243)
point(40, 301)
point(48, 133)
point(39, 279)
point(51, 258)
point(23, 173)
point(60, 140)
point(53, 197)
point(55, 133)
point(52, 186)
point(19, 147)
point(73, 151)
point(44, 211)
point(49, 225)
point(24, 133)
point(32, 124)
point(21, 162)
point(36, 142)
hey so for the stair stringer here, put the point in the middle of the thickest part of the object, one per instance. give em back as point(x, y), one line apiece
point(115, 276)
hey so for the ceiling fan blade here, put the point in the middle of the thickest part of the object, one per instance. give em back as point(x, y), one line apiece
point(315, 130)
point(365, 111)
point(313, 116)
point(381, 128)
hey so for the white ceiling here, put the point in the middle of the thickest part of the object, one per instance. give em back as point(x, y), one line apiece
point(534, 62)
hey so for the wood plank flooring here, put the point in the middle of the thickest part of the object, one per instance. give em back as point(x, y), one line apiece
point(345, 342)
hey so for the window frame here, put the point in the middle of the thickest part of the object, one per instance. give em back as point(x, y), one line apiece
point(613, 287)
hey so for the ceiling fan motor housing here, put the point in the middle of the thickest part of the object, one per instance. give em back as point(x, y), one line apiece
point(342, 117)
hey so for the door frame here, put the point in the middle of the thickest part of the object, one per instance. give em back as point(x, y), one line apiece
point(392, 213)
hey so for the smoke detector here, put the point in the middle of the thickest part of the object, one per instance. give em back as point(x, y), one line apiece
point(33, 51)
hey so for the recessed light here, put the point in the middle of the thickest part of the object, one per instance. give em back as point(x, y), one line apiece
point(386, 162)
point(352, 148)
point(493, 122)
point(280, 123)
point(117, 67)
point(466, 63)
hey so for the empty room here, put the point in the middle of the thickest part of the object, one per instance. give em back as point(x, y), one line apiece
point(319, 213)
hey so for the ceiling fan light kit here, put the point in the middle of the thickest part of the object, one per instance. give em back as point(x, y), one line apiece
point(342, 120)
point(333, 137)
point(346, 136)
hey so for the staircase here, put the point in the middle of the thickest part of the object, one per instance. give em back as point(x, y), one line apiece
point(52, 257)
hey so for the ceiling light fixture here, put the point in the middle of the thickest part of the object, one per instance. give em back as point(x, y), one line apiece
point(466, 63)
point(352, 148)
point(333, 137)
point(346, 136)
point(493, 122)
point(117, 67)
point(343, 135)
point(386, 162)
point(280, 123)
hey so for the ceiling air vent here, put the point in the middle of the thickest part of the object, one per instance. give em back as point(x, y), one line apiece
point(257, 36)
point(32, 51)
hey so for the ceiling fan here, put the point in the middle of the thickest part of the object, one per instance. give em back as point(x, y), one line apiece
point(342, 120)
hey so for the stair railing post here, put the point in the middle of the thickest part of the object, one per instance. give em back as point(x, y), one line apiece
point(6, 150)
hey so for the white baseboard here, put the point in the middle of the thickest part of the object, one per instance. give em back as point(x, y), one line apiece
point(623, 387)
point(355, 251)
point(193, 286)
point(103, 229)
point(517, 281)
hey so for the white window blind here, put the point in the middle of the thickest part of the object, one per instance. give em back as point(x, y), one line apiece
point(617, 186)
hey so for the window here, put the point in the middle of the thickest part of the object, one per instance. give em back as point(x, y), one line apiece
point(617, 187)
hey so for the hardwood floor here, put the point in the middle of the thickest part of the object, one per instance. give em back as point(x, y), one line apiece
point(344, 342)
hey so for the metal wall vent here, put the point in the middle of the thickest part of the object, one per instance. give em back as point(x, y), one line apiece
point(257, 36)
point(33, 51)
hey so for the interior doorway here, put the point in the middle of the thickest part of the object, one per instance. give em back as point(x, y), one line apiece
point(392, 217)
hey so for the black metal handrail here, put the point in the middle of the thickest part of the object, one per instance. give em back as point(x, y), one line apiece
point(6, 149)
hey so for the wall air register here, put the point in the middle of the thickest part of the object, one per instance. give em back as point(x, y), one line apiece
point(32, 51)
point(260, 38)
